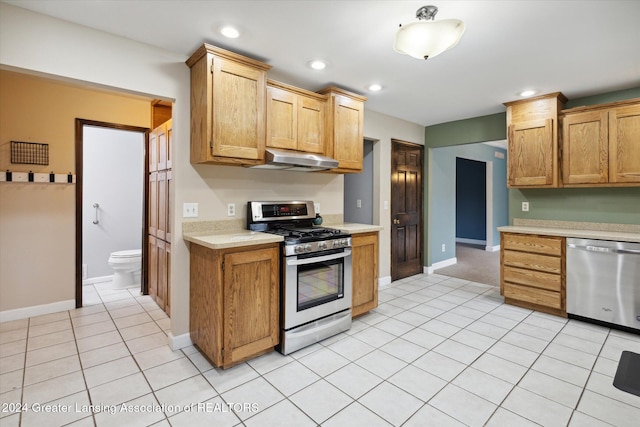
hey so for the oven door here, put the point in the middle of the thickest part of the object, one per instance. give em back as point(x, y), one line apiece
point(316, 285)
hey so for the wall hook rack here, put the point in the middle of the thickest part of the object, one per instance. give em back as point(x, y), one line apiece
point(39, 178)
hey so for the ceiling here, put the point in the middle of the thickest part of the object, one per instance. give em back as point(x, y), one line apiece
point(580, 48)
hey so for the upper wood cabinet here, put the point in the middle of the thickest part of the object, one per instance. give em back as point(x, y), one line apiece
point(601, 145)
point(295, 118)
point(532, 133)
point(345, 124)
point(228, 107)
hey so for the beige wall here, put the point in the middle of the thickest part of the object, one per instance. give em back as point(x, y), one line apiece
point(37, 221)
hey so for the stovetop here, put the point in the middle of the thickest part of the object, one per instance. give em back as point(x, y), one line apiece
point(293, 234)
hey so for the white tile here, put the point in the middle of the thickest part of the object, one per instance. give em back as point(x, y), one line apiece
point(411, 318)
point(404, 350)
point(270, 361)
point(131, 415)
point(567, 354)
point(467, 312)
point(258, 392)
point(536, 408)
point(565, 371)
point(440, 328)
point(535, 331)
point(354, 380)
point(578, 419)
point(12, 325)
point(391, 403)
point(133, 320)
point(512, 312)
point(603, 384)
point(608, 410)
point(586, 331)
point(62, 417)
point(11, 363)
point(552, 388)
point(395, 327)
point(423, 338)
point(282, 414)
point(552, 323)
point(430, 416)
point(120, 390)
point(45, 340)
point(109, 371)
point(513, 353)
point(323, 361)
point(147, 342)
point(615, 345)
point(504, 418)
point(98, 341)
point(16, 347)
point(104, 354)
point(47, 354)
point(525, 341)
point(94, 329)
point(404, 303)
point(138, 331)
point(200, 361)
point(387, 309)
point(457, 351)
point(374, 336)
point(578, 343)
point(417, 382)
point(455, 319)
point(170, 373)
point(321, 400)
point(89, 319)
point(213, 412)
point(225, 379)
point(441, 303)
point(606, 366)
point(354, 415)
point(500, 368)
point(291, 378)
point(427, 310)
point(474, 412)
point(186, 393)
point(48, 318)
point(473, 339)
point(55, 388)
point(11, 381)
point(157, 356)
point(380, 363)
point(500, 321)
point(351, 348)
point(439, 365)
point(55, 368)
point(484, 385)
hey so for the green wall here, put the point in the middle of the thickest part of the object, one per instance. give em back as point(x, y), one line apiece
point(611, 205)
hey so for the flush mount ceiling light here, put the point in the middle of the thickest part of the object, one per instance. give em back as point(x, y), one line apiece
point(230, 32)
point(317, 64)
point(375, 87)
point(428, 38)
point(527, 92)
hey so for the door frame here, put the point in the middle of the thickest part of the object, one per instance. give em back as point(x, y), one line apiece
point(395, 143)
point(79, 151)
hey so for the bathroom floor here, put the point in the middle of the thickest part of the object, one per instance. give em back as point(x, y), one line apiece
point(437, 351)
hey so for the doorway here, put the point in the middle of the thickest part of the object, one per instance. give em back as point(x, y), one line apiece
point(406, 209)
point(102, 215)
point(358, 189)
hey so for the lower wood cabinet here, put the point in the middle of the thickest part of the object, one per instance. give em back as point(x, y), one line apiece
point(365, 272)
point(234, 301)
point(532, 272)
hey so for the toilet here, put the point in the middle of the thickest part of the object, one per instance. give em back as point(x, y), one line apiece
point(126, 266)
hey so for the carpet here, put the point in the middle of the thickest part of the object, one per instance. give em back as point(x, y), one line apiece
point(475, 264)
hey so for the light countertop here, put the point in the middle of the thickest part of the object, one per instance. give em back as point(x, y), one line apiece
point(618, 236)
point(354, 228)
point(231, 239)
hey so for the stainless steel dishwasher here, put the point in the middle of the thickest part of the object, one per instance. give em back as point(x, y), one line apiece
point(603, 281)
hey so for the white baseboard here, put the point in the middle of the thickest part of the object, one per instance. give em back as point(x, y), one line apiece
point(470, 241)
point(444, 263)
point(37, 310)
point(384, 281)
point(427, 270)
point(492, 248)
point(180, 341)
point(94, 280)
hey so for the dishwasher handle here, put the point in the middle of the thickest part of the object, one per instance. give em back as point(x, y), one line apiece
point(603, 249)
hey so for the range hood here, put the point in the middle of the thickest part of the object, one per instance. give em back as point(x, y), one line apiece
point(295, 161)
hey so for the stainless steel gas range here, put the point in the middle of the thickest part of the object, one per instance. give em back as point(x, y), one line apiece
point(315, 272)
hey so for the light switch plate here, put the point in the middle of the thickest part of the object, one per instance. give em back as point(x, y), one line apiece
point(190, 210)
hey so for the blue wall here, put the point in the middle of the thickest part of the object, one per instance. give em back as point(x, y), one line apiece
point(442, 197)
point(471, 199)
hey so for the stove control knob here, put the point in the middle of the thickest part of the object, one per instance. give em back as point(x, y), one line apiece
point(336, 243)
point(344, 242)
point(307, 248)
point(298, 249)
point(322, 245)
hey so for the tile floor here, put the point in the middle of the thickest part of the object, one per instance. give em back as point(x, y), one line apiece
point(437, 351)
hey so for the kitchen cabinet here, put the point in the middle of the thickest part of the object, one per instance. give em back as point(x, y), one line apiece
point(234, 301)
point(601, 145)
point(364, 272)
point(533, 273)
point(532, 136)
point(295, 118)
point(228, 107)
point(345, 125)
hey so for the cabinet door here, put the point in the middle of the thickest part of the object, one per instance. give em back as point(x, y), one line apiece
point(311, 125)
point(167, 300)
point(153, 151)
point(282, 118)
point(167, 233)
point(169, 125)
point(239, 105)
point(162, 205)
point(365, 273)
point(162, 146)
point(153, 203)
point(585, 148)
point(250, 303)
point(152, 273)
point(532, 160)
point(348, 122)
point(624, 144)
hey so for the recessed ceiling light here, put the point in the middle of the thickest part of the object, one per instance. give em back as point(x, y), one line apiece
point(375, 87)
point(528, 92)
point(317, 64)
point(230, 32)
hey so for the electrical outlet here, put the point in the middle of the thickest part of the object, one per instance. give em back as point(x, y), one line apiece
point(443, 248)
point(190, 210)
point(525, 206)
point(386, 205)
point(231, 209)
point(316, 207)
point(358, 203)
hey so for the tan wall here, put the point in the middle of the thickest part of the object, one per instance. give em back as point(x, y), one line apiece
point(37, 221)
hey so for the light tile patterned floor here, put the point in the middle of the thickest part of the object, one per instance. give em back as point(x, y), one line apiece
point(437, 351)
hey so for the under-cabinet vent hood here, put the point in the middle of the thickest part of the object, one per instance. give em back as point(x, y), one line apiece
point(295, 161)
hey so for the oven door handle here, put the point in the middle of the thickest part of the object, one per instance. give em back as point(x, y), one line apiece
point(303, 261)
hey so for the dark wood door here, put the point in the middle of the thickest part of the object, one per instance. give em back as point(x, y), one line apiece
point(406, 209)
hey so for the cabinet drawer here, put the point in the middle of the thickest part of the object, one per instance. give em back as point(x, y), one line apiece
point(532, 243)
point(549, 264)
point(533, 295)
point(536, 279)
